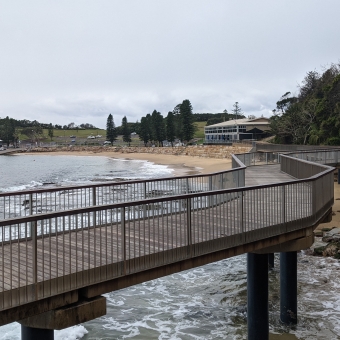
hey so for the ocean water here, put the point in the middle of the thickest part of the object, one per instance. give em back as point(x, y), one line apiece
point(208, 302)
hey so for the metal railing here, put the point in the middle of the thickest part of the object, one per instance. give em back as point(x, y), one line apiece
point(270, 147)
point(54, 252)
point(31, 202)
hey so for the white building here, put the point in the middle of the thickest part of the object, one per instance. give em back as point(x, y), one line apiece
point(236, 130)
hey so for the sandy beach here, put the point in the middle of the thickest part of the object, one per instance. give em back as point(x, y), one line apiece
point(182, 165)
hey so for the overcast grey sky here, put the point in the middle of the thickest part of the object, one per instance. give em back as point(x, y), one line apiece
point(79, 60)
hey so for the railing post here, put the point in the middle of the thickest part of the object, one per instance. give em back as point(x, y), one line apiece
point(34, 251)
point(187, 185)
point(210, 198)
point(284, 207)
point(94, 202)
point(241, 217)
point(189, 236)
point(31, 204)
point(314, 198)
point(122, 218)
point(336, 157)
point(145, 196)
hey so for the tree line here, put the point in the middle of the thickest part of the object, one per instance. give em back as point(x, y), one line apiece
point(154, 128)
point(313, 115)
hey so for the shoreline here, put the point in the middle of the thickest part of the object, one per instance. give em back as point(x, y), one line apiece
point(182, 165)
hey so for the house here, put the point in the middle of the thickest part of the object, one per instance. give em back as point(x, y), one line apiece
point(237, 130)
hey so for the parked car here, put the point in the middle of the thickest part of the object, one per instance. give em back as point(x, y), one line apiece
point(72, 136)
point(107, 142)
point(91, 137)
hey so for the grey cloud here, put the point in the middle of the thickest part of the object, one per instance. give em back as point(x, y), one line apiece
point(85, 59)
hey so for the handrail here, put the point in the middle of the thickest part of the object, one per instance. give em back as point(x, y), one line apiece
point(29, 202)
point(92, 209)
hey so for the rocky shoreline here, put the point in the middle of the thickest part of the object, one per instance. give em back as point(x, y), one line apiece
point(327, 243)
point(204, 151)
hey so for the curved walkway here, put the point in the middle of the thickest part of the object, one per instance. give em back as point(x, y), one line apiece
point(93, 250)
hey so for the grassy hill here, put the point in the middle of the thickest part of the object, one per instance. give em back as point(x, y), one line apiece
point(64, 136)
point(200, 129)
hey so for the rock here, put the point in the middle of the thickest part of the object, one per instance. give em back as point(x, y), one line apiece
point(330, 250)
point(333, 231)
point(318, 244)
point(327, 238)
point(319, 250)
point(332, 235)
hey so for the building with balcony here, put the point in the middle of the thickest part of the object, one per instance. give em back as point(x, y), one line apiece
point(237, 130)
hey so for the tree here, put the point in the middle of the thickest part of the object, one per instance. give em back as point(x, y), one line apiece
point(126, 131)
point(7, 130)
point(144, 130)
point(50, 131)
point(188, 127)
point(225, 115)
point(158, 127)
point(178, 121)
point(111, 132)
point(237, 111)
point(312, 117)
point(170, 128)
point(145, 133)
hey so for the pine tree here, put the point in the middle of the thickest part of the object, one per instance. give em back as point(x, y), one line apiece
point(187, 119)
point(126, 131)
point(158, 127)
point(178, 122)
point(237, 111)
point(144, 131)
point(50, 131)
point(111, 132)
point(170, 128)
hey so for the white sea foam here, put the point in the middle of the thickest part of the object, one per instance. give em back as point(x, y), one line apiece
point(31, 185)
point(71, 333)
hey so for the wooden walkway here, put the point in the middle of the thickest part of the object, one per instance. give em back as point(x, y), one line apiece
point(76, 251)
point(265, 174)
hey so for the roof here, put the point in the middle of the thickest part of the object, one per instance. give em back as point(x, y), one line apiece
point(244, 121)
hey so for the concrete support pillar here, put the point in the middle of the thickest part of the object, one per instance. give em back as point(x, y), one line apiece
point(257, 285)
point(338, 175)
point(288, 287)
point(271, 260)
point(29, 333)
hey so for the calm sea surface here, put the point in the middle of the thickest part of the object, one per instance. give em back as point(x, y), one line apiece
point(208, 302)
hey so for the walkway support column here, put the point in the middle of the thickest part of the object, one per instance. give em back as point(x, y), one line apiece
point(271, 260)
point(257, 285)
point(29, 333)
point(288, 287)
